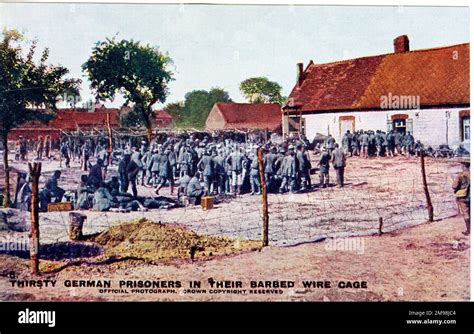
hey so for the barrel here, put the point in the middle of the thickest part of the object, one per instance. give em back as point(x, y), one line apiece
point(76, 221)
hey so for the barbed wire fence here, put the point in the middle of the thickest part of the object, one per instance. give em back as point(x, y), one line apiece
point(387, 190)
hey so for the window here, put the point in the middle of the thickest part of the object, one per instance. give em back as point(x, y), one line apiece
point(466, 128)
point(400, 123)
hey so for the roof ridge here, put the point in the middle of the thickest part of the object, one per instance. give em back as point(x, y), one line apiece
point(390, 54)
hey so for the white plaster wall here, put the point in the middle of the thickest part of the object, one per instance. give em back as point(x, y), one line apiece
point(429, 125)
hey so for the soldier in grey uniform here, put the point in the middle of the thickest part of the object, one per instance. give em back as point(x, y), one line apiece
point(194, 190)
point(164, 172)
point(398, 141)
point(254, 175)
point(206, 166)
point(409, 143)
point(104, 156)
point(155, 166)
point(269, 169)
point(324, 160)
point(220, 172)
point(346, 142)
point(338, 160)
point(288, 171)
point(304, 167)
point(364, 143)
point(95, 174)
point(330, 142)
point(235, 160)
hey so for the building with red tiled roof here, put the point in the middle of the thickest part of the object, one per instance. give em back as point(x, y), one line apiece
point(244, 116)
point(423, 91)
point(162, 119)
point(68, 119)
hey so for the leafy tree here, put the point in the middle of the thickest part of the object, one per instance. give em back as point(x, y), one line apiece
point(132, 118)
point(29, 90)
point(138, 72)
point(261, 90)
point(192, 113)
point(175, 109)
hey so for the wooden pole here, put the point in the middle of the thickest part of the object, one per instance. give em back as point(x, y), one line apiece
point(380, 225)
point(35, 172)
point(110, 148)
point(6, 191)
point(425, 187)
point(264, 197)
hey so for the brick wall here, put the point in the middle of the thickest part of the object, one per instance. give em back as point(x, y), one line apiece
point(214, 120)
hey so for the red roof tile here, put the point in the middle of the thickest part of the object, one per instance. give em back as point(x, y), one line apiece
point(66, 119)
point(250, 115)
point(439, 76)
point(162, 114)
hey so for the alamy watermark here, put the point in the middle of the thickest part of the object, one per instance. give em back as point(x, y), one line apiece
point(14, 243)
point(354, 244)
point(391, 101)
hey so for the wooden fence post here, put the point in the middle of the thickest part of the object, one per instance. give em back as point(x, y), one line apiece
point(35, 172)
point(425, 187)
point(264, 197)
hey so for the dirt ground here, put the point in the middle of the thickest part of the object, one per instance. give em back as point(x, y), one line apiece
point(387, 188)
point(427, 262)
point(411, 261)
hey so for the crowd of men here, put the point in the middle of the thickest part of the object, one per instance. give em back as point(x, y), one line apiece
point(377, 143)
point(195, 165)
point(190, 166)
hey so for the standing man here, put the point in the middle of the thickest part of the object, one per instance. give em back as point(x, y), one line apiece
point(219, 172)
point(236, 161)
point(324, 160)
point(206, 166)
point(269, 168)
point(346, 142)
point(165, 172)
point(122, 170)
point(338, 160)
point(47, 146)
point(330, 143)
point(39, 148)
point(461, 186)
point(364, 143)
point(104, 157)
point(254, 175)
point(304, 167)
point(65, 153)
point(288, 174)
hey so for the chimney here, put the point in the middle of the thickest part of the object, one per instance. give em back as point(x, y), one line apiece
point(300, 74)
point(401, 44)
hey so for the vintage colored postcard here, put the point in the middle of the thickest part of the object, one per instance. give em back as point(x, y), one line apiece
point(193, 152)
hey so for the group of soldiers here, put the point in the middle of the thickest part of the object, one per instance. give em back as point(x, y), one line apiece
point(378, 143)
point(41, 147)
point(190, 166)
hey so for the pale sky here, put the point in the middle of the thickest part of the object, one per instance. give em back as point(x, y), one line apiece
point(221, 45)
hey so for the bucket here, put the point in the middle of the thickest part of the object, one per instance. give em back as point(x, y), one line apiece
point(76, 221)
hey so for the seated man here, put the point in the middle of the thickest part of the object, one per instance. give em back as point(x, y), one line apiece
point(24, 195)
point(103, 200)
point(114, 186)
point(195, 190)
point(82, 194)
point(51, 190)
point(183, 184)
point(95, 174)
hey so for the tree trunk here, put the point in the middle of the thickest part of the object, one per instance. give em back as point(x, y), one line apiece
point(6, 192)
point(149, 130)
